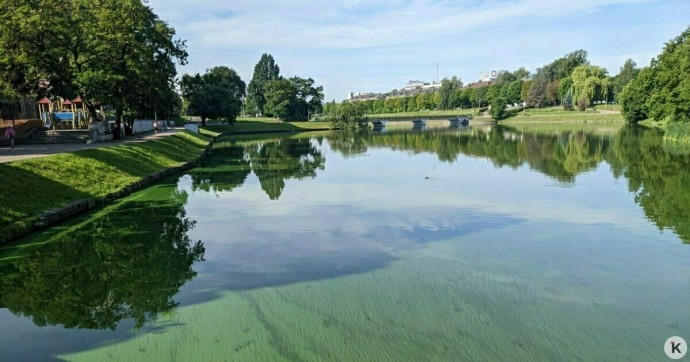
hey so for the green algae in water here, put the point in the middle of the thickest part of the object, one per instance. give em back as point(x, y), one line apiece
point(442, 302)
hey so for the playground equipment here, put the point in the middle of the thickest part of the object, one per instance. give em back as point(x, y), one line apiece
point(65, 114)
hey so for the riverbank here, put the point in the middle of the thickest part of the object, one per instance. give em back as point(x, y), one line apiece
point(260, 125)
point(678, 133)
point(43, 191)
point(610, 113)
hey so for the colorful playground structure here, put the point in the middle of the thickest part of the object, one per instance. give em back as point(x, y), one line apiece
point(65, 114)
point(61, 120)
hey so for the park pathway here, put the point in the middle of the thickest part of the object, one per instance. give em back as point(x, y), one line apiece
point(23, 152)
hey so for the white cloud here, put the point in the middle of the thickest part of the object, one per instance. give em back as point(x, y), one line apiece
point(349, 35)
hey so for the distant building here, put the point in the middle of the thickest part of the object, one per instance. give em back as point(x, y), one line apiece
point(412, 88)
point(480, 84)
point(488, 76)
point(416, 84)
point(364, 96)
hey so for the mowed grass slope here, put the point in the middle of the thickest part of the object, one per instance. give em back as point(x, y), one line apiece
point(33, 186)
point(249, 125)
point(599, 113)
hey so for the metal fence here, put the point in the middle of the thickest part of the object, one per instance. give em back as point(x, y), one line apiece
point(23, 108)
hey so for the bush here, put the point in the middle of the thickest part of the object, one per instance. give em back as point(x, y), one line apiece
point(498, 108)
point(568, 101)
point(678, 132)
point(350, 116)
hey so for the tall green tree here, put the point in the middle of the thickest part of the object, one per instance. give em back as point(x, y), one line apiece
point(265, 70)
point(447, 91)
point(216, 94)
point(537, 92)
point(280, 98)
point(309, 98)
point(563, 67)
point(635, 98)
point(551, 93)
point(498, 108)
point(112, 51)
point(294, 99)
point(627, 73)
point(505, 76)
point(587, 82)
point(513, 90)
point(521, 73)
point(662, 90)
point(671, 99)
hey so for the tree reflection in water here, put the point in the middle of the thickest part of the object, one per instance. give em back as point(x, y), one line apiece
point(654, 172)
point(273, 162)
point(124, 262)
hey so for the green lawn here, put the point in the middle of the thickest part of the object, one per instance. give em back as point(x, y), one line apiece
point(608, 107)
point(558, 114)
point(40, 184)
point(249, 125)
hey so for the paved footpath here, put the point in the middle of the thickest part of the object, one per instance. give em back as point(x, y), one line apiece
point(23, 152)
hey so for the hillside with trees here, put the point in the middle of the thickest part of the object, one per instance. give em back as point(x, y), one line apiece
point(661, 91)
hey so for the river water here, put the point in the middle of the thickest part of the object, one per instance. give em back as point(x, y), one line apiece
point(497, 243)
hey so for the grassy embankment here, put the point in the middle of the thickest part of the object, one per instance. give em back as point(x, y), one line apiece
point(423, 114)
point(41, 184)
point(608, 113)
point(678, 133)
point(259, 125)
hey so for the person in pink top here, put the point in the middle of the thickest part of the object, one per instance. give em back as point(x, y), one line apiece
point(10, 134)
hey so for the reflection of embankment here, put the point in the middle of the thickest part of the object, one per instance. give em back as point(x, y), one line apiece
point(273, 162)
point(655, 173)
point(657, 176)
point(561, 157)
point(126, 261)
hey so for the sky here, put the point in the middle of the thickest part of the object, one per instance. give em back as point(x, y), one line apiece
point(377, 46)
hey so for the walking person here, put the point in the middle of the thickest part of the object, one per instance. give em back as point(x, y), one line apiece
point(10, 134)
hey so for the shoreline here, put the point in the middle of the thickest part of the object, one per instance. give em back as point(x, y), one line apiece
point(23, 227)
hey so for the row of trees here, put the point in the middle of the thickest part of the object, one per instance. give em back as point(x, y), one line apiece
point(569, 81)
point(115, 52)
point(119, 52)
point(661, 91)
point(271, 95)
point(220, 94)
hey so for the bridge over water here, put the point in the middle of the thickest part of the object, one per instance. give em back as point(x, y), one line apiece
point(421, 122)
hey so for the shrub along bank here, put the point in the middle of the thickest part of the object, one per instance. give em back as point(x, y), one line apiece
point(678, 132)
point(76, 181)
